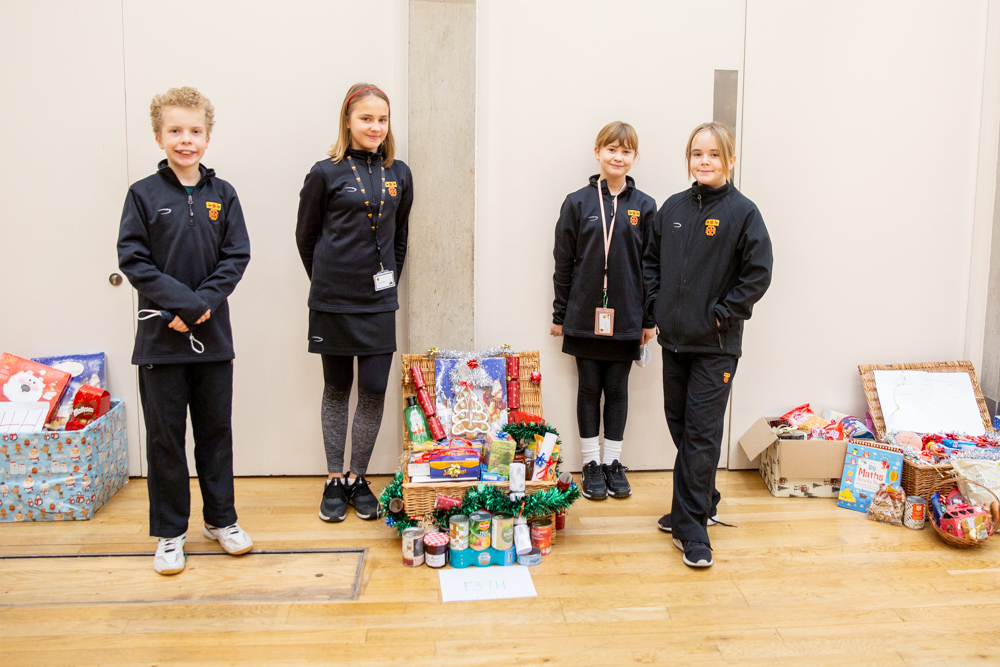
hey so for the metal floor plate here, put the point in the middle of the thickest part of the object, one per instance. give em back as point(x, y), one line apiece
point(264, 575)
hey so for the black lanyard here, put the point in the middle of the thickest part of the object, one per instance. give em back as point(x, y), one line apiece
point(375, 221)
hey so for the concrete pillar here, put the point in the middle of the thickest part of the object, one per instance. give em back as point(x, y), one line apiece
point(441, 151)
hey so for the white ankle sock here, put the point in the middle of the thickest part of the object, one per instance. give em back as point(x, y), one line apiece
point(590, 449)
point(612, 451)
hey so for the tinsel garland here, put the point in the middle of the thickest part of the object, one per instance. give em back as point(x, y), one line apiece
point(484, 496)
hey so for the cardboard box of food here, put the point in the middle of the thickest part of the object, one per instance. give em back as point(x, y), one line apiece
point(795, 468)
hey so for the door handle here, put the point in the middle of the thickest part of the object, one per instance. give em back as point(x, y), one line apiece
point(115, 279)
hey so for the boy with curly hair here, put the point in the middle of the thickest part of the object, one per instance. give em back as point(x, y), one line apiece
point(183, 245)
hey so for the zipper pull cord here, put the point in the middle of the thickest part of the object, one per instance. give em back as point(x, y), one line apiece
point(191, 209)
point(148, 314)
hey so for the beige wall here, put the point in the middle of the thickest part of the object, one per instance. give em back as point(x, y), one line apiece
point(277, 80)
point(550, 76)
point(62, 184)
point(860, 145)
point(866, 134)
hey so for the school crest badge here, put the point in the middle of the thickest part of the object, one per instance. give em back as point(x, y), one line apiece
point(633, 217)
point(710, 227)
point(391, 187)
point(213, 210)
point(725, 378)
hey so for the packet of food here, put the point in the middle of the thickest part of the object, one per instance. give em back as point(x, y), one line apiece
point(887, 505)
point(804, 418)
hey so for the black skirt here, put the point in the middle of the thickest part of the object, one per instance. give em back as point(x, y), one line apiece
point(352, 334)
point(601, 350)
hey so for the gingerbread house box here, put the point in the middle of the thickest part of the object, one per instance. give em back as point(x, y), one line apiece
point(63, 475)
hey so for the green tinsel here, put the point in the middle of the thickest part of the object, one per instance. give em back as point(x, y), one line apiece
point(524, 432)
point(483, 496)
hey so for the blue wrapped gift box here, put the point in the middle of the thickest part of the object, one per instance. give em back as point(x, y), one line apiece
point(63, 475)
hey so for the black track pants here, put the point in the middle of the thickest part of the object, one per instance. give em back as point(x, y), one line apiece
point(695, 392)
point(166, 392)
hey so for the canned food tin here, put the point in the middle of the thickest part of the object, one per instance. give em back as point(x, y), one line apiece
point(436, 549)
point(458, 530)
point(914, 512)
point(541, 535)
point(413, 547)
point(503, 532)
point(480, 526)
point(532, 558)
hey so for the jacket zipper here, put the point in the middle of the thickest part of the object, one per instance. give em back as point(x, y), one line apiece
point(680, 287)
point(191, 211)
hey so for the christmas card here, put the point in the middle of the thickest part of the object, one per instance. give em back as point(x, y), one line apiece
point(471, 396)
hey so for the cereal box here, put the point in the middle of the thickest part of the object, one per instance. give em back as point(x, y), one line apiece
point(868, 465)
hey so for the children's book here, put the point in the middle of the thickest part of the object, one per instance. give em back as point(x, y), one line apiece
point(868, 465)
point(24, 381)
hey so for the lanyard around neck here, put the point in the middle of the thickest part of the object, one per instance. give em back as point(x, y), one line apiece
point(381, 203)
point(606, 230)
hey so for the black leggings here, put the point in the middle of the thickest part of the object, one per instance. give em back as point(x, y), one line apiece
point(373, 372)
point(611, 379)
point(373, 378)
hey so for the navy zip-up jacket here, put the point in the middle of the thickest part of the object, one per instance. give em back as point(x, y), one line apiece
point(183, 254)
point(335, 237)
point(709, 256)
point(579, 253)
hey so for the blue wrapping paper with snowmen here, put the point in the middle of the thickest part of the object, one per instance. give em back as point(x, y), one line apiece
point(63, 475)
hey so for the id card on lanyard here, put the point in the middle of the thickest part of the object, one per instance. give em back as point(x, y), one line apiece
point(604, 318)
point(384, 279)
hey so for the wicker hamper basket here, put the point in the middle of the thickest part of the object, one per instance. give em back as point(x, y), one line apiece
point(919, 479)
point(418, 499)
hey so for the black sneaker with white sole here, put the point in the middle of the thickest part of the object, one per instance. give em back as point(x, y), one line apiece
point(364, 501)
point(696, 554)
point(664, 522)
point(592, 484)
point(614, 478)
point(333, 507)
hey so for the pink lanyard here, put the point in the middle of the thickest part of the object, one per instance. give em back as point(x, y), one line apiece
point(608, 231)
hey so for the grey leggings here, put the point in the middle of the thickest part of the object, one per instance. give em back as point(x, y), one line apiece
point(338, 375)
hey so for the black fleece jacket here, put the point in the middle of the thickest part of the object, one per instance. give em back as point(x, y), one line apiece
point(335, 237)
point(183, 259)
point(579, 255)
point(708, 257)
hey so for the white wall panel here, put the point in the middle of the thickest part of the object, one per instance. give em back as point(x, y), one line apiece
point(62, 183)
point(551, 74)
point(860, 146)
point(277, 76)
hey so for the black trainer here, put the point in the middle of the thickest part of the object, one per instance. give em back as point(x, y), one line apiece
point(333, 507)
point(696, 554)
point(664, 522)
point(617, 483)
point(364, 501)
point(592, 484)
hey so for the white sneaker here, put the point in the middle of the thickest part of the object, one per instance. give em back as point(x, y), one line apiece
point(169, 558)
point(233, 539)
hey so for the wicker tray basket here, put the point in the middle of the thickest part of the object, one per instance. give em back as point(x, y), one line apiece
point(919, 479)
point(418, 499)
point(945, 486)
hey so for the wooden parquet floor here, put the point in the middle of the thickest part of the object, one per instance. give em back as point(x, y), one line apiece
point(798, 582)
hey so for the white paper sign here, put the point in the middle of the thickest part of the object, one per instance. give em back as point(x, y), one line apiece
point(23, 417)
point(928, 402)
point(486, 583)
